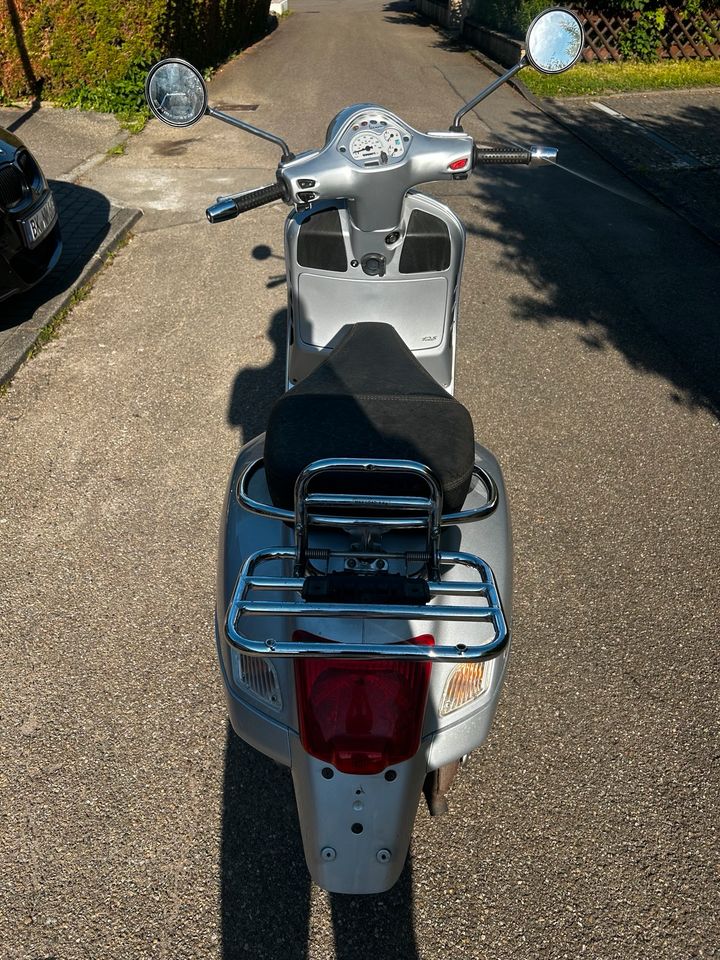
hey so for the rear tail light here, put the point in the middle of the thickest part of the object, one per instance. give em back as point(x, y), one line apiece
point(361, 716)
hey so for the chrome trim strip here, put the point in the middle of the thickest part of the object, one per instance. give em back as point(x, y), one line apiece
point(408, 523)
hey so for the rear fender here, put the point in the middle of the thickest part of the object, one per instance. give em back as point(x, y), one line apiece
point(355, 828)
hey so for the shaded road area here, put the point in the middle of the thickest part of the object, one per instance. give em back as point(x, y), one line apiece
point(135, 825)
point(668, 142)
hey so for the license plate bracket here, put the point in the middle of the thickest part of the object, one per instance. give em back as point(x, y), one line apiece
point(36, 227)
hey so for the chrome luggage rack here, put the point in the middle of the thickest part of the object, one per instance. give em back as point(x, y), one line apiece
point(427, 515)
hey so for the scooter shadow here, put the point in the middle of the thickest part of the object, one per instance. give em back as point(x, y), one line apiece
point(254, 389)
point(266, 889)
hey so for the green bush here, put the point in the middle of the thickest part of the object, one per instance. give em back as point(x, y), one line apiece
point(95, 53)
point(642, 39)
point(508, 16)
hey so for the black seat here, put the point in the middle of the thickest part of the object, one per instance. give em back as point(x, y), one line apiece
point(370, 398)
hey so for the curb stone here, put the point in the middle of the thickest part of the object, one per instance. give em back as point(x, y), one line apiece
point(19, 344)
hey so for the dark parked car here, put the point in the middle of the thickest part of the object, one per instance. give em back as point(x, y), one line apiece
point(30, 244)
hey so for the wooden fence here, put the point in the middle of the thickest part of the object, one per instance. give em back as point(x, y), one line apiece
point(686, 38)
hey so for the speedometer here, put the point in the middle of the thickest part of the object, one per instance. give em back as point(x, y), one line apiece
point(366, 146)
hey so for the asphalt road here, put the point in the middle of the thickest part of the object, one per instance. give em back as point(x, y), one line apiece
point(133, 826)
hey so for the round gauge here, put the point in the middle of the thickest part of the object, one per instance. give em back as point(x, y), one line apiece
point(366, 146)
point(393, 142)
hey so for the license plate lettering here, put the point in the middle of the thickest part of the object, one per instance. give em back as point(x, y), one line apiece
point(37, 226)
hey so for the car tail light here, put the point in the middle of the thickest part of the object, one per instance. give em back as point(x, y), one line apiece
point(361, 715)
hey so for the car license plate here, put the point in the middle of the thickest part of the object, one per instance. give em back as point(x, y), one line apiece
point(38, 225)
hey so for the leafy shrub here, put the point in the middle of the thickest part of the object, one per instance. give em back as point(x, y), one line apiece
point(641, 39)
point(95, 53)
point(507, 16)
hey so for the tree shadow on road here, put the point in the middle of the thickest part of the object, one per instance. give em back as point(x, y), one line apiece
point(403, 12)
point(631, 276)
point(654, 292)
point(671, 147)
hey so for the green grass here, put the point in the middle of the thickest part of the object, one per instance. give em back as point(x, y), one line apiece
point(590, 79)
point(51, 330)
point(134, 122)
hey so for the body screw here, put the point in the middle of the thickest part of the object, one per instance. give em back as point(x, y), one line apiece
point(383, 856)
point(327, 853)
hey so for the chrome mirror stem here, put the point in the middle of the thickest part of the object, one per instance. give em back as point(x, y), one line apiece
point(249, 128)
point(456, 124)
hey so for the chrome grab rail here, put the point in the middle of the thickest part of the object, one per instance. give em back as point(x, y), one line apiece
point(431, 505)
point(416, 523)
point(485, 588)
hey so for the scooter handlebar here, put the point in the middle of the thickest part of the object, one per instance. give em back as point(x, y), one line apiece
point(227, 208)
point(483, 155)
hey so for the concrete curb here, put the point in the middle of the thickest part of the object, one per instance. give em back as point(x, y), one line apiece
point(18, 347)
point(599, 146)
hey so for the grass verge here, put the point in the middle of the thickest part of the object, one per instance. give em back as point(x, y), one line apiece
point(591, 79)
point(50, 330)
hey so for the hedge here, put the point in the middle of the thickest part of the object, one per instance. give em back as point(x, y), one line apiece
point(95, 52)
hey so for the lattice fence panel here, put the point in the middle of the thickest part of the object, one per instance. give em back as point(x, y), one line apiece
point(685, 38)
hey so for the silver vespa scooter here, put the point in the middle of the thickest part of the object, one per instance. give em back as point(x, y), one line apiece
point(364, 579)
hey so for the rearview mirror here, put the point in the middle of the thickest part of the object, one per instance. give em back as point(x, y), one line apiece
point(554, 41)
point(176, 92)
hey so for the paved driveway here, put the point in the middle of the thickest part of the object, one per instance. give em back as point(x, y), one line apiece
point(134, 825)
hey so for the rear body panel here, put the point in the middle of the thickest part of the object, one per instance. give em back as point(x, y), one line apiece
point(369, 859)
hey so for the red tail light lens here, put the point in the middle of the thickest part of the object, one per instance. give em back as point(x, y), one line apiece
point(361, 715)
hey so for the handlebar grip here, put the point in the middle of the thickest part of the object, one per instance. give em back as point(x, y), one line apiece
point(229, 207)
point(500, 155)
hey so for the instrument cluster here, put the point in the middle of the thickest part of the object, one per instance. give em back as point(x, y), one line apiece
point(374, 140)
